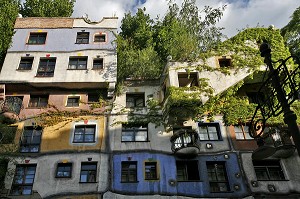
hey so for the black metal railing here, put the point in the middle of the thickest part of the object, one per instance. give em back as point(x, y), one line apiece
point(185, 142)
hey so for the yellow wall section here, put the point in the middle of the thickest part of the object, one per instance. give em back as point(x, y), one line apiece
point(59, 137)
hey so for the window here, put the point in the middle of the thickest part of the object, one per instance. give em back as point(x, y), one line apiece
point(151, 171)
point(209, 131)
point(98, 64)
point(188, 80)
point(224, 62)
point(37, 38)
point(78, 63)
point(187, 170)
point(129, 172)
point(46, 67)
point(99, 38)
point(135, 100)
point(82, 38)
point(242, 133)
point(93, 97)
point(134, 133)
point(217, 177)
point(268, 170)
point(84, 134)
point(23, 180)
point(88, 172)
point(38, 101)
point(73, 101)
point(25, 63)
point(64, 170)
point(31, 140)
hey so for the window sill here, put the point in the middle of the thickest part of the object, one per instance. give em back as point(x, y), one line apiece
point(151, 180)
point(44, 76)
point(81, 43)
point(23, 70)
point(58, 177)
point(35, 44)
point(135, 141)
point(88, 182)
point(84, 142)
point(97, 69)
point(130, 182)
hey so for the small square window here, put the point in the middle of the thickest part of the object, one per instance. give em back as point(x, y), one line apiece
point(38, 101)
point(151, 171)
point(99, 38)
point(23, 180)
point(187, 170)
point(93, 98)
point(217, 177)
point(82, 38)
point(46, 67)
point(268, 170)
point(84, 134)
point(25, 63)
point(88, 172)
point(129, 171)
point(78, 63)
point(134, 133)
point(209, 131)
point(37, 38)
point(97, 64)
point(188, 80)
point(135, 100)
point(64, 170)
point(73, 101)
point(224, 62)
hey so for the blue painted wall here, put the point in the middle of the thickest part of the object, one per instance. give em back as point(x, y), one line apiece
point(167, 168)
point(61, 40)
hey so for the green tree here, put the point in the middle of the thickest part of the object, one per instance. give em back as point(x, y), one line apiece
point(291, 33)
point(9, 11)
point(47, 8)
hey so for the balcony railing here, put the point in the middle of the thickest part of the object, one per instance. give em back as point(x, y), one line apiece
point(185, 142)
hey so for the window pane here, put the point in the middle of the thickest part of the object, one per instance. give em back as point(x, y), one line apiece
point(141, 136)
point(127, 136)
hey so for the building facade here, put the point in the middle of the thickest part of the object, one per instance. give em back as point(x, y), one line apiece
point(75, 138)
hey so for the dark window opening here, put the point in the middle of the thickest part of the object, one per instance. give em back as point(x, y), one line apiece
point(84, 134)
point(98, 63)
point(100, 38)
point(187, 170)
point(135, 100)
point(64, 170)
point(129, 171)
point(224, 62)
point(37, 38)
point(77, 63)
point(46, 67)
point(93, 98)
point(38, 101)
point(268, 170)
point(82, 38)
point(217, 177)
point(209, 131)
point(188, 80)
point(256, 97)
point(26, 63)
point(73, 101)
point(31, 140)
point(88, 172)
point(151, 171)
point(135, 133)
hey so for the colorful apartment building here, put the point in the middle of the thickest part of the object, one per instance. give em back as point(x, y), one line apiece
point(75, 138)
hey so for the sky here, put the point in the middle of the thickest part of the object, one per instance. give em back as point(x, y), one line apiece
point(239, 14)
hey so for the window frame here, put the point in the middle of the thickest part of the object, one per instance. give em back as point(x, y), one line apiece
point(68, 104)
point(223, 62)
point(102, 65)
point(244, 131)
point(214, 171)
point(134, 129)
point(267, 165)
point(210, 124)
point(48, 69)
point(26, 173)
point(88, 170)
point(84, 133)
point(187, 170)
point(32, 143)
point(28, 61)
point(64, 165)
point(78, 65)
point(129, 171)
point(80, 39)
point(182, 78)
point(100, 35)
point(35, 36)
point(39, 102)
point(135, 97)
point(151, 173)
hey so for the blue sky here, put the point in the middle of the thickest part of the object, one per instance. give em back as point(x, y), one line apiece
point(239, 14)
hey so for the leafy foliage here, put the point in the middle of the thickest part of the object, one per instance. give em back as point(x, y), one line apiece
point(9, 11)
point(47, 8)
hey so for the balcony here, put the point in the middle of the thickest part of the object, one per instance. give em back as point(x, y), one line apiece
point(185, 143)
